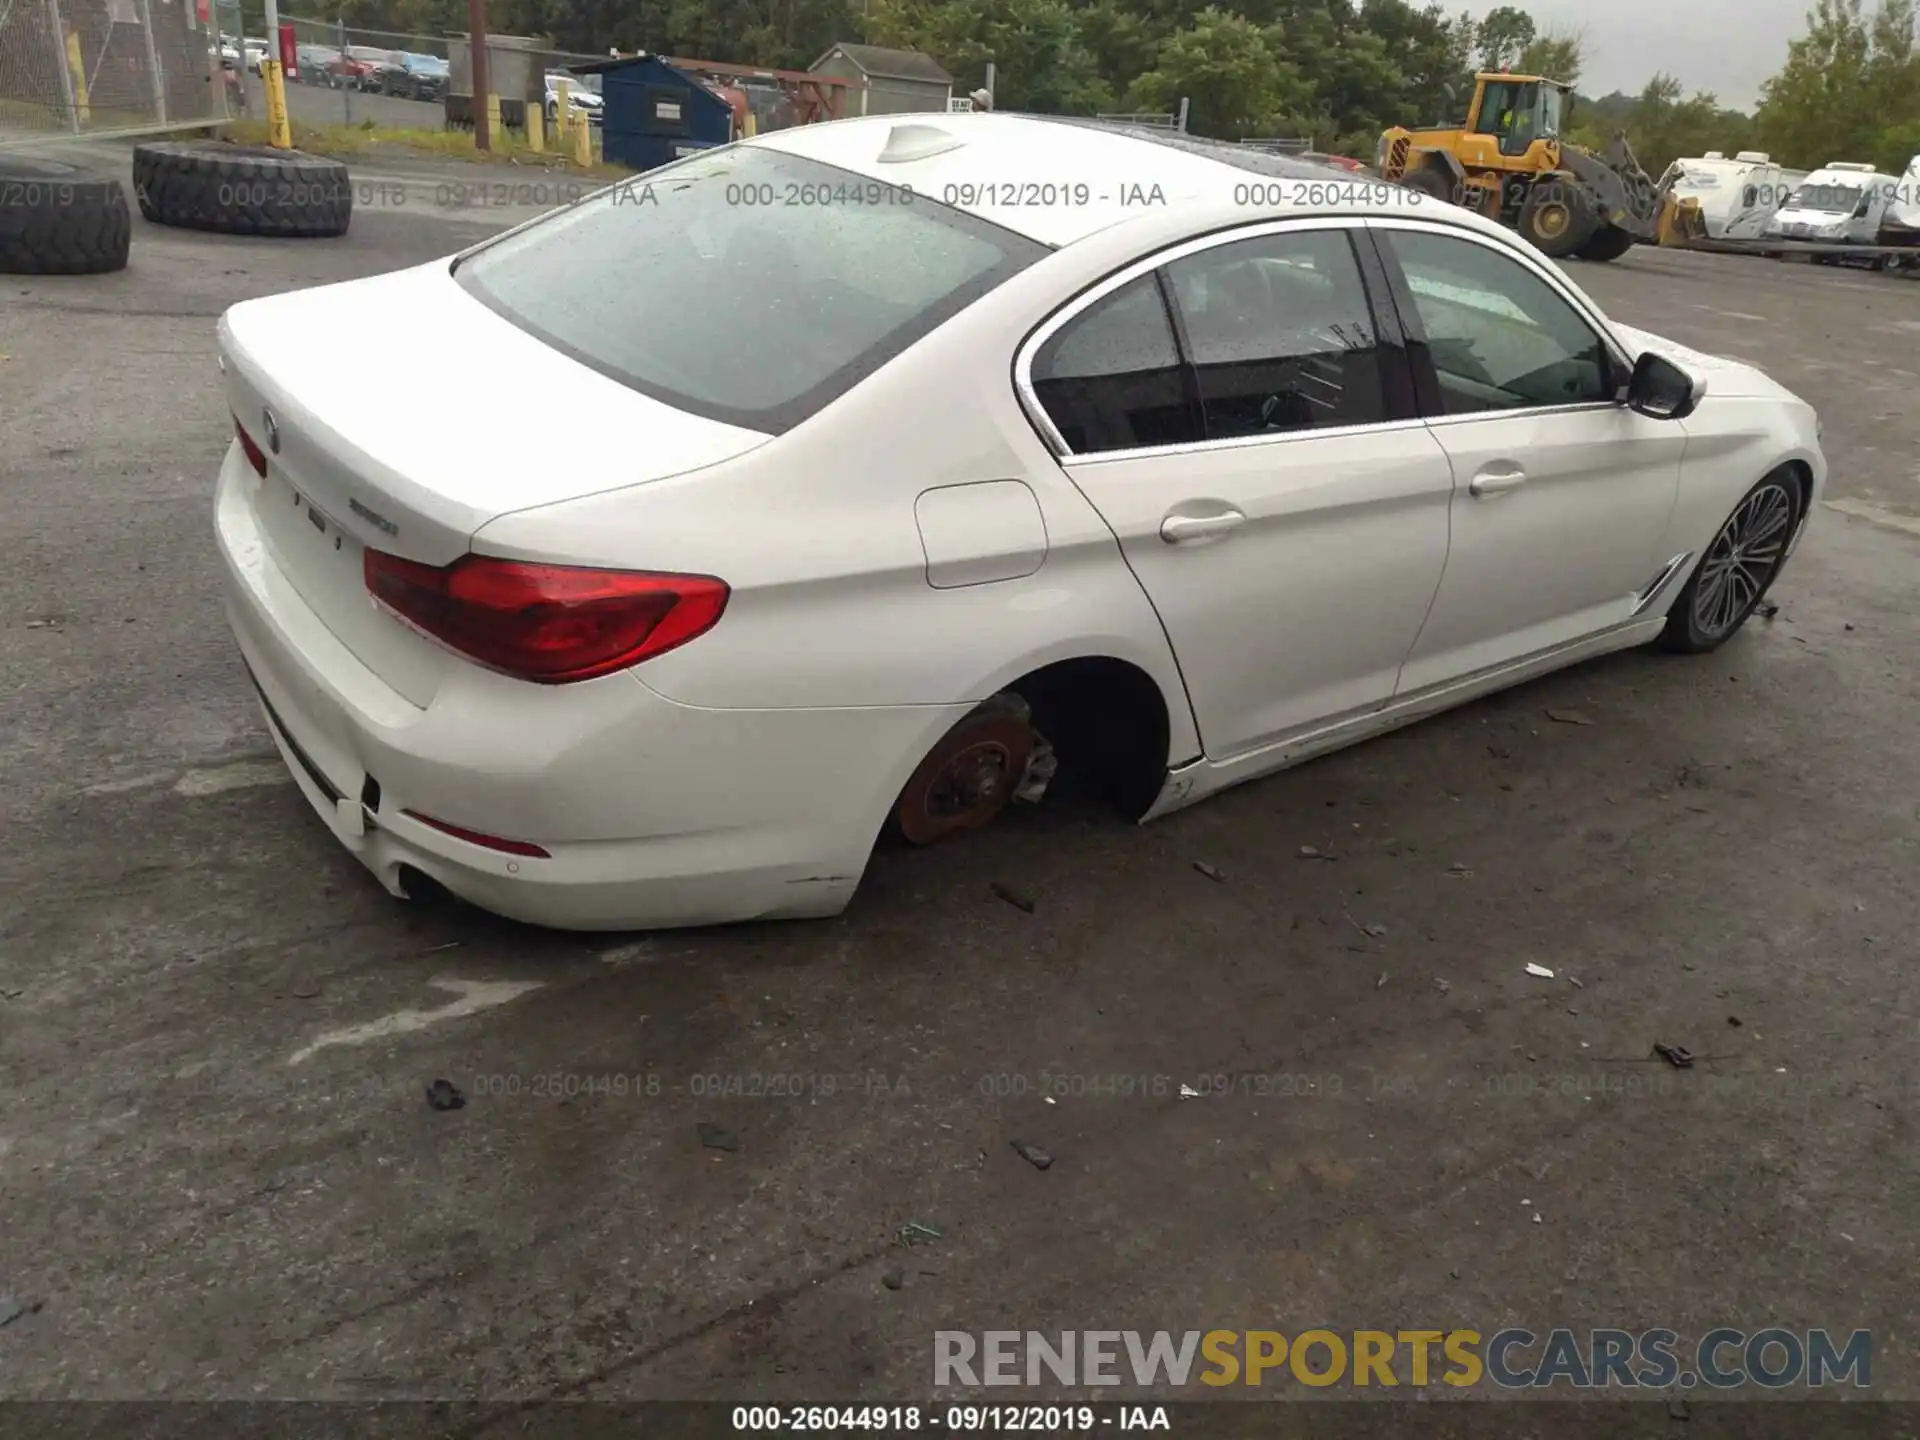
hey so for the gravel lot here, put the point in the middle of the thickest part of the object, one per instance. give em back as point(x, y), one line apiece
point(1417, 1132)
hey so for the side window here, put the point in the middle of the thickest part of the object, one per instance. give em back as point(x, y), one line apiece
point(1499, 337)
point(1111, 378)
point(1750, 196)
point(1280, 334)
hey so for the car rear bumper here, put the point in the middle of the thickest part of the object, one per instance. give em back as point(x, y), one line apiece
point(653, 814)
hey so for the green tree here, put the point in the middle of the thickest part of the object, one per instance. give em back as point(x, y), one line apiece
point(1556, 56)
point(1228, 72)
point(1503, 35)
point(1846, 81)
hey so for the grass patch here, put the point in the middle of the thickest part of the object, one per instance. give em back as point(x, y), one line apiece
point(365, 141)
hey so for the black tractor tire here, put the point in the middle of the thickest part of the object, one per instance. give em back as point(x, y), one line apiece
point(1428, 180)
point(1609, 242)
point(58, 219)
point(241, 189)
point(1557, 219)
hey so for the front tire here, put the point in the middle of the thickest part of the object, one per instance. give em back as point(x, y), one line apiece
point(1556, 220)
point(1738, 569)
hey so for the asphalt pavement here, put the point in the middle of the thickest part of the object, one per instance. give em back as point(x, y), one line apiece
point(220, 1174)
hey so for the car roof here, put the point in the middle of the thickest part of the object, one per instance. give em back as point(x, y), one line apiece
point(1023, 172)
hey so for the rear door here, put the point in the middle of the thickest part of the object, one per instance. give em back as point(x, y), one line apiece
point(1236, 413)
point(1563, 495)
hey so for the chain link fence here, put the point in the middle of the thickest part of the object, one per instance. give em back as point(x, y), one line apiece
point(108, 68)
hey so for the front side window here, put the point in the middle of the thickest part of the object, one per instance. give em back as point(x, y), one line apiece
point(705, 286)
point(1499, 337)
point(1280, 334)
point(1112, 378)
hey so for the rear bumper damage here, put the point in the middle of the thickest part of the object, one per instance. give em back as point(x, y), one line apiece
point(653, 814)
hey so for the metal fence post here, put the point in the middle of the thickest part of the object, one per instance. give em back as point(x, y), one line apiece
point(1181, 124)
point(60, 64)
point(153, 64)
point(346, 90)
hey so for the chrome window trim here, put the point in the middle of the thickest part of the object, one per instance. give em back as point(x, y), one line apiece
point(1237, 442)
point(1146, 265)
point(1525, 258)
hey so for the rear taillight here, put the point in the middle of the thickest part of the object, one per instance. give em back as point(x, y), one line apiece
point(256, 457)
point(552, 624)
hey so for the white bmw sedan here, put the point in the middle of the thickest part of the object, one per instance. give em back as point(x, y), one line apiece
point(1187, 461)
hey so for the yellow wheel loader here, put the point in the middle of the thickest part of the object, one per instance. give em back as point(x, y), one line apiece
point(1508, 162)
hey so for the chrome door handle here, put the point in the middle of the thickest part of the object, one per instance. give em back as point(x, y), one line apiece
point(1495, 482)
point(1185, 529)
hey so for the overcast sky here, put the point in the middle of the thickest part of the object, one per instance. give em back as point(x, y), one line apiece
point(1727, 46)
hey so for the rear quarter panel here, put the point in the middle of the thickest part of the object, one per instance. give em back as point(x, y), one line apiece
point(816, 534)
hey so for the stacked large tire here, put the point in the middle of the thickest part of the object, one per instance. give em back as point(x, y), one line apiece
point(241, 189)
point(58, 219)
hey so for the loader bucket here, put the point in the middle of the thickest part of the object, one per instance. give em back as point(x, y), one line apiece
point(1681, 222)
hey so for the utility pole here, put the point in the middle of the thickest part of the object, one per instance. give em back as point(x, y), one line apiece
point(482, 74)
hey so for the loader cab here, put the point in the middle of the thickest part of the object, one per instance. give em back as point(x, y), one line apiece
point(1517, 110)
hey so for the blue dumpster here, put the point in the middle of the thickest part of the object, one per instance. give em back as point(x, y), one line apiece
point(654, 114)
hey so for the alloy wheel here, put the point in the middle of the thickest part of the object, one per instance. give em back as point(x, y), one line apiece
point(1742, 561)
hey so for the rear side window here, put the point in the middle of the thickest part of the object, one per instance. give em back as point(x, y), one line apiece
point(1112, 378)
point(745, 285)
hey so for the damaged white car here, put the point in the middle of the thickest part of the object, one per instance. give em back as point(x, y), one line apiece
point(1194, 461)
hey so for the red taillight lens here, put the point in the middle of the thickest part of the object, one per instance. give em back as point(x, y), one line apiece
point(480, 837)
point(552, 624)
point(256, 457)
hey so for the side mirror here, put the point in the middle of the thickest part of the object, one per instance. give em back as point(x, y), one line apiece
point(1661, 390)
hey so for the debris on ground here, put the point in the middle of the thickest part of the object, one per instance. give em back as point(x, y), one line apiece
point(1734, 1021)
point(1207, 870)
point(1499, 752)
point(913, 1230)
point(1032, 1154)
point(1569, 717)
point(1766, 609)
point(445, 1095)
point(1381, 983)
point(1187, 1092)
point(1313, 852)
point(1019, 899)
point(1539, 972)
point(12, 1309)
point(1445, 987)
point(1459, 871)
point(1042, 765)
point(1677, 1056)
point(1575, 983)
point(716, 1137)
point(1536, 1217)
point(894, 1278)
point(304, 987)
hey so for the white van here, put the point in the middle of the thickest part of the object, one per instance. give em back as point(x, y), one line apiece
point(1737, 197)
point(1840, 203)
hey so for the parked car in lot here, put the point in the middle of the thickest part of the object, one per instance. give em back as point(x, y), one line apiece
point(416, 77)
point(257, 52)
point(1216, 468)
point(313, 62)
point(581, 100)
point(346, 70)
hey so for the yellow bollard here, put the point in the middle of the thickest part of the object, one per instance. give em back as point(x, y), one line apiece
point(582, 142)
point(76, 62)
point(536, 128)
point(494, 132)
point(279, 132)
point(752, 127)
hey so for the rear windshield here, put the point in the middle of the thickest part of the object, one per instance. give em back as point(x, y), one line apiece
point(744, 285)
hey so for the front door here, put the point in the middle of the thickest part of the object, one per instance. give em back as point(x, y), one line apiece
point(1228, 413)
point(1563, 495)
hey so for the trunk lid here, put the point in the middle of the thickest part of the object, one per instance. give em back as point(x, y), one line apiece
point(411, 449)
